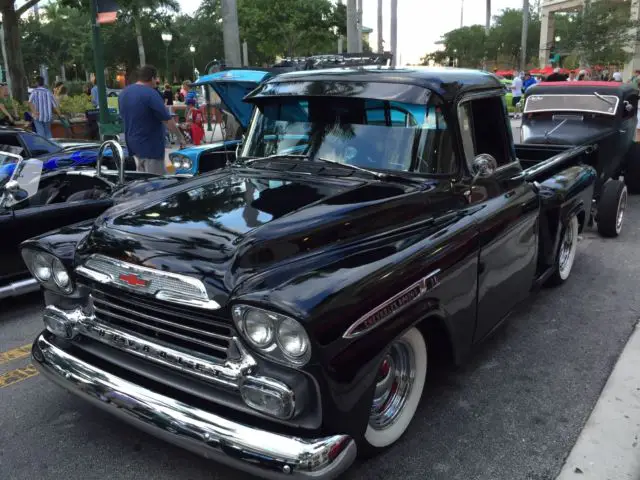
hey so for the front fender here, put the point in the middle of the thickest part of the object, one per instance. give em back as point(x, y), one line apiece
point(61, 243)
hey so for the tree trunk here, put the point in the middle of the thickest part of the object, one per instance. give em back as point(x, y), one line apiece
point(231, 33)
point(15, 63)
point(63, 73)
point(380, 42)
point(138, 26)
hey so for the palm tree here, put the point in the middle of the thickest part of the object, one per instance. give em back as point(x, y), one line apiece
point(137, 9)
point(487, 24)
point(11, 37)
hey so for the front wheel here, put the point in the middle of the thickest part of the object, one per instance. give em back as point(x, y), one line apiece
point(611, 207)
point(399, 384)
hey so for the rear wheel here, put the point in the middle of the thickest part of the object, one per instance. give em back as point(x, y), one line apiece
point(566, 252)
point(632, 169)
point(399, 384)
point(611, 207)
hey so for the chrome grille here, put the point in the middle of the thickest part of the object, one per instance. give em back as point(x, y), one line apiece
point(168, 325)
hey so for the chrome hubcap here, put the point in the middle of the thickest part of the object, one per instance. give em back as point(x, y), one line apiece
point(622, 204)
point(393, 385)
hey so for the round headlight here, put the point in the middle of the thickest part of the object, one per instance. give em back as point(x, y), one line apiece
point(177, 163)
point(259, 328)
point(292, 338)
point(186, 163)
point(60, 275)
point(42, 267)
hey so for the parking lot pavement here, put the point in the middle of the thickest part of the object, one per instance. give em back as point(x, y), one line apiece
point(513, 412)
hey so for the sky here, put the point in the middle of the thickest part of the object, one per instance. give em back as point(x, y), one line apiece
point(421, 23)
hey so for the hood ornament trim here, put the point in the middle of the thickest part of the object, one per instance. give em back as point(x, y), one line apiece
point(169, 287)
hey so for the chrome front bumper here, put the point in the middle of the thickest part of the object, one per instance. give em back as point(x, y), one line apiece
point(259, 452)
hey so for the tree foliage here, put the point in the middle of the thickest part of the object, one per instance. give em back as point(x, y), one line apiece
point(597, 35)
point(289, 27)
point(470, 46)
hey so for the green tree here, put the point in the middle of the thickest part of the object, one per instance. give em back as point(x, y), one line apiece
point(504, 41)
point(285, 27)
point(139, 11)
point(600, 32)
point(11, 26)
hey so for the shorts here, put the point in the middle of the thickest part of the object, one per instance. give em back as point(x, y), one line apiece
point(515, 101)
point(150, 165)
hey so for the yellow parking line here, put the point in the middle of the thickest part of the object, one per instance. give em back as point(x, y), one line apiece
point(17, 375)
point(15, 353)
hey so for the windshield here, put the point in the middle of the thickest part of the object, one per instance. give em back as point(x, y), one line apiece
point(595, 103)
point(27, 173)
point(368, 133)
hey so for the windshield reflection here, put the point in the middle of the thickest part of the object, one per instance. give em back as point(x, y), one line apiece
point(368, 133)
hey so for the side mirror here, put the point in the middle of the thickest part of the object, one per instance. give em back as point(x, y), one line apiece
point(483, 166)
point(12, 186)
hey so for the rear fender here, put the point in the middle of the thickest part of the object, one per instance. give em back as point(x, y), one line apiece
point(563, 195)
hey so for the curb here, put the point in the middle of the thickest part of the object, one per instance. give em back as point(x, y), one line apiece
point(608, 447)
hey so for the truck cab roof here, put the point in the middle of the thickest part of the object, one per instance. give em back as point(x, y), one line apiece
point(447, 82)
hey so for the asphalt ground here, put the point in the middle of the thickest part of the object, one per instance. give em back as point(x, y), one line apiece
point(512, 412)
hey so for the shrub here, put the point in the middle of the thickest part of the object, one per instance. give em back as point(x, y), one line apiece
point(76, 105)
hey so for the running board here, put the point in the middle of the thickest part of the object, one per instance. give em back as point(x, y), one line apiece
point(18, 288)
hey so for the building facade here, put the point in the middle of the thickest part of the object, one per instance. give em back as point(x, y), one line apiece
point(548, 10)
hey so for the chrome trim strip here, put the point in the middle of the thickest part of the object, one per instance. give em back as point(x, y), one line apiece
point(18, 288)
point(391, 307)
point(255, 451)
point(229, 373)
point(583, 110)
point(150, 279)
point(186, 328)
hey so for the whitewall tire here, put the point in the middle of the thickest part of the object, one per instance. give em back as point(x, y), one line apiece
point(399, 385)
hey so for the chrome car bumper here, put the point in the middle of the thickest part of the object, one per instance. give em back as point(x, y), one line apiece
point(259, 452)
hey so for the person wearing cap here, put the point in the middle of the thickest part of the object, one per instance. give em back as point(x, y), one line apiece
point(556, 76)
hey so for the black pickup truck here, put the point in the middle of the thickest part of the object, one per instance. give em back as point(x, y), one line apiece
point(279, 314)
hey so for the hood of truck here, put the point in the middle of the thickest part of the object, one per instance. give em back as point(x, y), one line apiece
point(238, 223)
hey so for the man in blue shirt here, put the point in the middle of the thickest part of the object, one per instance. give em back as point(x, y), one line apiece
point(145, 115)
point(528, 81)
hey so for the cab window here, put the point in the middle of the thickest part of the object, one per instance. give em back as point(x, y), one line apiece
point(482, 136)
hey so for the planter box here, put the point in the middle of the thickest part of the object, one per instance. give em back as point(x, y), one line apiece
point(79, 129)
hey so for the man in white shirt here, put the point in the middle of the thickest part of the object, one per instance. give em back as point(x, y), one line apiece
point(516, 90)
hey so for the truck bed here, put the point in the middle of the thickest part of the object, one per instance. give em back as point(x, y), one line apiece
point(530, 155)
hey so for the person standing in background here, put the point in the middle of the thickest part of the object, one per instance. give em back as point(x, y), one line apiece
point(616, 77)
point(167, 95)
point(7, 119)
point(528, 81)
point(43, 105)
point(145, 119)
point(94, 96)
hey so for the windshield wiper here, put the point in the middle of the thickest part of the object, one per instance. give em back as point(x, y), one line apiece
point(549, 132)
point(379, 175)
point(603, 99)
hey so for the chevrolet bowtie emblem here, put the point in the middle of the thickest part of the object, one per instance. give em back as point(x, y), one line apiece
point(133, 280)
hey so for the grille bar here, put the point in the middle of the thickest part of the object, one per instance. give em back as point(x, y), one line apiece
point(181, 328)
point(157, 329)
point(162, 321)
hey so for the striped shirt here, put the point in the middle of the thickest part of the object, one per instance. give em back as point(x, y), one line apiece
point(44, 102)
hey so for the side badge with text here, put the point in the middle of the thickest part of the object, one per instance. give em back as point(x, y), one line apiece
point(394, 305)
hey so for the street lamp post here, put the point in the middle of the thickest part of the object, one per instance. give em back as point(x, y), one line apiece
point(192, 49)
point(166, 38)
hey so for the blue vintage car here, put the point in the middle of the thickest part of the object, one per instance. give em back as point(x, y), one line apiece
point(231, 86)
point(54, 154)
